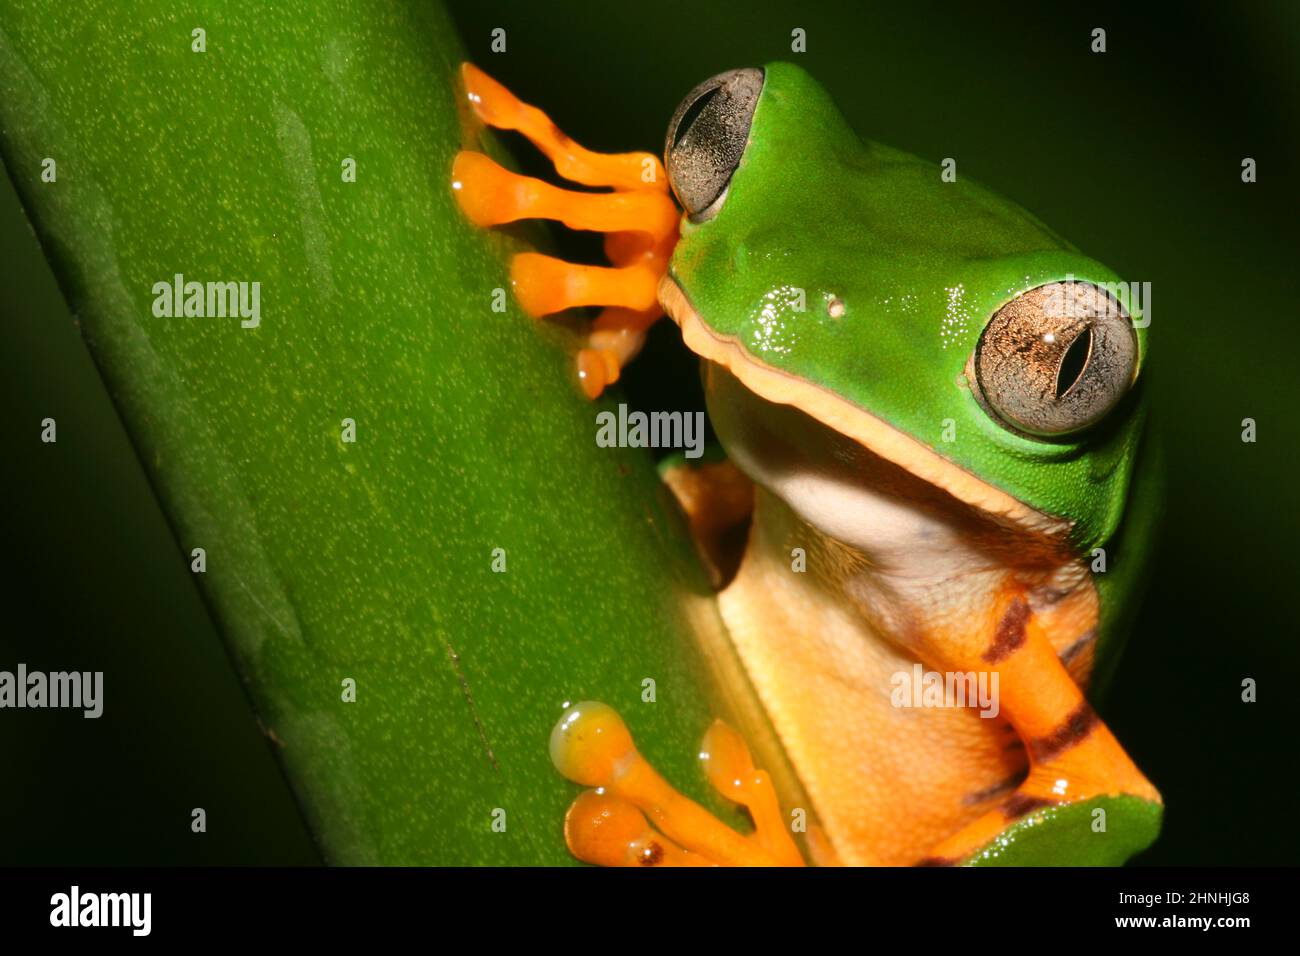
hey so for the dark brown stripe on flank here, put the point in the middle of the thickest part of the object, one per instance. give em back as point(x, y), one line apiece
point(1011, 632)
point(1075, 728)
point(1023, 803)
point(1073, 651)
point(997, 790)
point(937, 861)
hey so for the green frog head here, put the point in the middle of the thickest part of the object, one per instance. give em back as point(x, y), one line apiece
point(945, 329)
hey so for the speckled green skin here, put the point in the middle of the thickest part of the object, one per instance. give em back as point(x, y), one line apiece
point(921, 265)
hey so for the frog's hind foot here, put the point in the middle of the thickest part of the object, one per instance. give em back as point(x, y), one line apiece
point(637, 216)
point(634, 817)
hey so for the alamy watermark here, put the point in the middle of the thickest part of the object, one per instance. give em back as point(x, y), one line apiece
point(921, 688)
point(76, 908)
point(178, 298)
point(651, 430)
point(1100, 298)
point(76, 690)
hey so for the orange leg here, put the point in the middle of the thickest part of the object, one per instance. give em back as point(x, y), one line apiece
point(638, 215)
point(1072, 754)
point(612, 825)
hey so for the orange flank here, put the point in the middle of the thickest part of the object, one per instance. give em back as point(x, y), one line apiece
point(638, 216)
point(635, 818)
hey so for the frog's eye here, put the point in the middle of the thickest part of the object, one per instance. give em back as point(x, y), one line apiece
point(1055, 359)
point(707, 137)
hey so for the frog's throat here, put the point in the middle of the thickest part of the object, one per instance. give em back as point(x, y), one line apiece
point(848, 419)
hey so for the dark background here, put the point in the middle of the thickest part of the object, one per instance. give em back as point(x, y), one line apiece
point(1134, 155)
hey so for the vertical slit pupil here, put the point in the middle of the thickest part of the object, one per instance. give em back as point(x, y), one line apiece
point(692, 114)
point(1073, 362)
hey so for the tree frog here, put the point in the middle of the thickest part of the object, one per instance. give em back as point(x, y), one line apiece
point(932, 410)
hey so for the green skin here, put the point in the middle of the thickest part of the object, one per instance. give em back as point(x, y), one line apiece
point(921, 266)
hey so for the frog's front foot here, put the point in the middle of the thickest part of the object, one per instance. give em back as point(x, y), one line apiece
point(637, 216)
point(633, 817)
